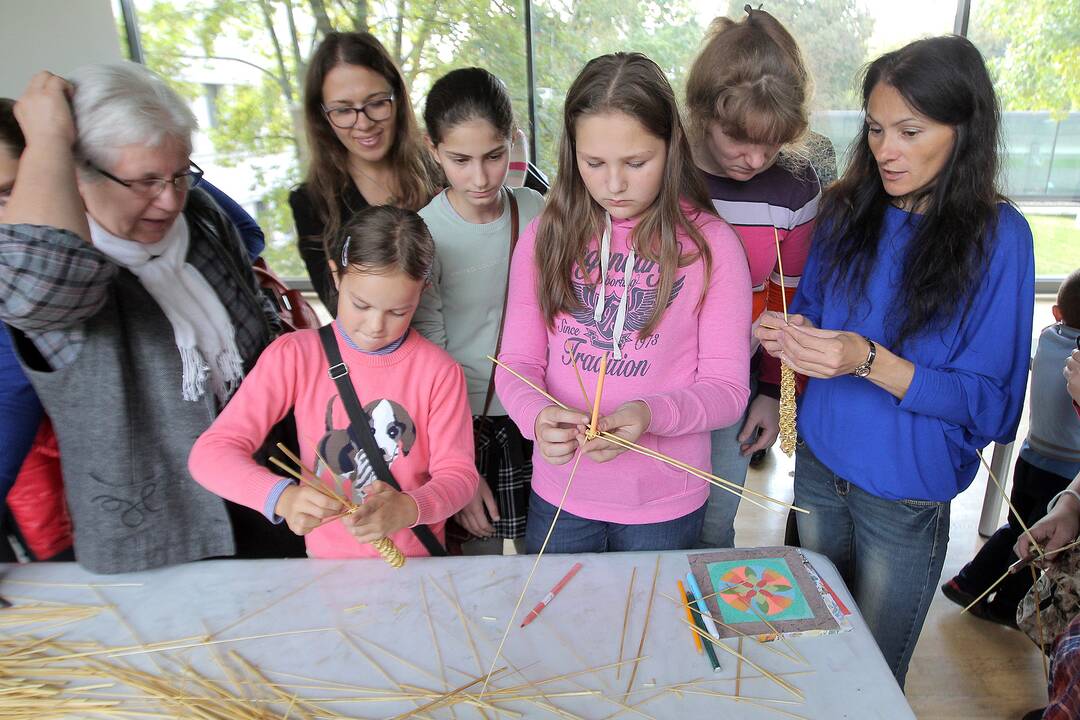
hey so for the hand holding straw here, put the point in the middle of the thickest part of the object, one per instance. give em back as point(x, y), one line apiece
point(385, 546)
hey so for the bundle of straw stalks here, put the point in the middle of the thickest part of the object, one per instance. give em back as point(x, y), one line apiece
point(787, 410)
point(306, 476)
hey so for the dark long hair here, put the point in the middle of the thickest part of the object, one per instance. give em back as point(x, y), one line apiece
point(328, 169)
point(634, 85)
point(468, 94)
point(10, 133)
point(944, 79)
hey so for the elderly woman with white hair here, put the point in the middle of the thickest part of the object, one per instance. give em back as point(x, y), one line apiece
point(136, 315)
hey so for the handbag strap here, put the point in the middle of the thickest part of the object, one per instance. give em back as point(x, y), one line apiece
point(506, 296)
point(339, 373)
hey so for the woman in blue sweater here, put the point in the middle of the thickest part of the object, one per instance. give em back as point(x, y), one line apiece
point(913, 321)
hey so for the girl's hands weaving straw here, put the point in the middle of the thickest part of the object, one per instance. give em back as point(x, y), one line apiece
point(384, 512)
point(305, 508)
point(557, 433)
point(629, 421)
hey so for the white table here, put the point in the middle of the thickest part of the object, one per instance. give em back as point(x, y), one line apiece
point(372, 603)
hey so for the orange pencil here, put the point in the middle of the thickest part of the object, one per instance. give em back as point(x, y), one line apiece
point(596, 398)
point(690, 617)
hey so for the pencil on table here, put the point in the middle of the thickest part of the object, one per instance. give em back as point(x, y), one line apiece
point(690, 617)
point(701, 631)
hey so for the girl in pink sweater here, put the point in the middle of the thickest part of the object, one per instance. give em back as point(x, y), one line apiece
point(629, 259)
point(413, 392)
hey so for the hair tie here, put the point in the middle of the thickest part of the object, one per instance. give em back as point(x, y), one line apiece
point(345, 252)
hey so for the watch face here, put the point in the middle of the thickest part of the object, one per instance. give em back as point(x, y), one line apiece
point(861, 371)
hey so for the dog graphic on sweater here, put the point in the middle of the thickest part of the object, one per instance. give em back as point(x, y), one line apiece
point(393, 430)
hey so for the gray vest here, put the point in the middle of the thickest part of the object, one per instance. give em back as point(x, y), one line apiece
point(125, 432)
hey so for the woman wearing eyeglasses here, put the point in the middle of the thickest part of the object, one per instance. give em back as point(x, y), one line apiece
point(135, 311)
point(363, 143)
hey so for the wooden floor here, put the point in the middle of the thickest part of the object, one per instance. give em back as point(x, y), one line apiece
point(963, 667)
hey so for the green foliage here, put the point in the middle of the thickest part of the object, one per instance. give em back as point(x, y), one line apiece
point(1033, 49)
point(252, 120)
point(568, 34)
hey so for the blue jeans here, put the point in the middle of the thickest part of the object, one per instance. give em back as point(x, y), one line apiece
point(889, 552)
point(728, 462)
point(574, 534)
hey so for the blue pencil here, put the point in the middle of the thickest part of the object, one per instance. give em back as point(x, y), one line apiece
point(710, 626)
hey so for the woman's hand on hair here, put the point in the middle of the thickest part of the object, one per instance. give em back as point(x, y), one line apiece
point(769, 327)
point(1071, 371)
point(556, 431)
point(764, 415)
point(384, 512)
point(473, 518)
point(44, 111)
point(629, 421)
point(821, 353)
point(305, 508)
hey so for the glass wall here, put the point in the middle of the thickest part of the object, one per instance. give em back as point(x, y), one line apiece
point(241, 64)
point(1034, 55)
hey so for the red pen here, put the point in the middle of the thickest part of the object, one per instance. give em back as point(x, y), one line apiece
point(551, 595)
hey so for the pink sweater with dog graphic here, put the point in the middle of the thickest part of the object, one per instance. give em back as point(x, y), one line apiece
point(692, 371)
point(418, 402)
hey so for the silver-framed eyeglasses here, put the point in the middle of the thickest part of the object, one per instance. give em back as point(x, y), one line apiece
point(376, 110)
point(152, 187)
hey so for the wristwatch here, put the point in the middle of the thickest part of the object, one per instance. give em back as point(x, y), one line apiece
point(864, 369)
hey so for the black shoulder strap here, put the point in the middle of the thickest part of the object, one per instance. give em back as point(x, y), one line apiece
point(363, 439)
point(506, 297)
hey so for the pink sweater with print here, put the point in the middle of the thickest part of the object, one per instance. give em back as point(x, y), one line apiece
point(430, 413)
point(692, 371)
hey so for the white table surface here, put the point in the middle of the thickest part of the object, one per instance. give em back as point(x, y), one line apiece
point(372, 603)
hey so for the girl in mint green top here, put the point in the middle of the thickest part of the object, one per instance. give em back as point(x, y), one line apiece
point(470, 125)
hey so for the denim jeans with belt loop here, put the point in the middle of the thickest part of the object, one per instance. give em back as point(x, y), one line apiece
point(889, 552)
point(729, 463)
point(574, 534)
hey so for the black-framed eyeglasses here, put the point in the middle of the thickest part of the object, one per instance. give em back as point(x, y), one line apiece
point(152, 187)
point(377, 110)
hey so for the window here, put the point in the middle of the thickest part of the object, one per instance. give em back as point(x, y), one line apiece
point(241, 65)
point(1032, 51)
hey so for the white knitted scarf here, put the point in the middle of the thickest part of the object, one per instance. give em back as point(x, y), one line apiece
point(201, 326)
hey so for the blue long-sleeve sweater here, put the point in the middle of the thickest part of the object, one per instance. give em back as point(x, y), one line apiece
point(968, 388)
point(20, 415)
point(249, 229)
